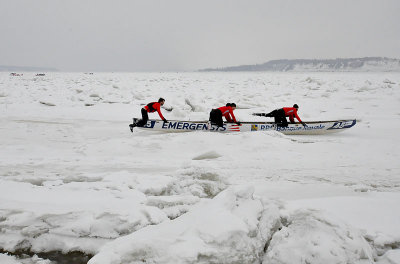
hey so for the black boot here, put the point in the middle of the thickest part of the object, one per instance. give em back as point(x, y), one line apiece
point(131, 126)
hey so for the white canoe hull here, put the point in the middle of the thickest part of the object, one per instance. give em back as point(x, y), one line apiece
point(313, 128)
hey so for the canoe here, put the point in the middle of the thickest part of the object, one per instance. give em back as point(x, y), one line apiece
point(312, 128)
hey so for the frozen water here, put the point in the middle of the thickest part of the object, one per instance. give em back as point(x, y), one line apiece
point(74, 178)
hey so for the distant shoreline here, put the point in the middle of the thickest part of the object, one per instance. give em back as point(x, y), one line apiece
point(366, 64)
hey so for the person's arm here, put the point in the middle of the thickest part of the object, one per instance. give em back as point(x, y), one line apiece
point(159, 112)
point(297, 116)
point(233, 116)
point(291, 118)
point(228, 118)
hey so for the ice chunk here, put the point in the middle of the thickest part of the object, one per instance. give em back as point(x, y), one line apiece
point(308, 237)
point(207, 155)
point(231, 228)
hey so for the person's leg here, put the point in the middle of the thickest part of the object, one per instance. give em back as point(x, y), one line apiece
point(280, 118)
point(143, 121)
point(271, 114)
point(220, 122)
point(216, 117)
point(284, 122)
point(211, 119)
point(276, 115)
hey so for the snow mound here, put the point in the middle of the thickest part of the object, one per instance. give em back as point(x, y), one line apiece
point(307, 237)
point(391, 257)
point(231, 228)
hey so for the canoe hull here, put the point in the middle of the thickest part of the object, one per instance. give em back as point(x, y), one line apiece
point(313, 128)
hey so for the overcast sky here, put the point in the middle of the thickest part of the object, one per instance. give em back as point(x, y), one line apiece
point(184, 35)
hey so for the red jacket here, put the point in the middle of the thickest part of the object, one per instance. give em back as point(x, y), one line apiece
point(152, 107)
point(291, 112)
point(226, 111)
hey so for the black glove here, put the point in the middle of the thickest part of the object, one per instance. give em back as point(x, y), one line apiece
point(304, 124)
point(165, 120)
point(238, 123)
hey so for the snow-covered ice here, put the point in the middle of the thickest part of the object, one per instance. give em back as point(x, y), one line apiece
point(73, 178)
point(235, 230)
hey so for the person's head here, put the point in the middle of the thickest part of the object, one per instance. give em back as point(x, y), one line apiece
point(296, 106)
point(161, 101)
point(233, 105)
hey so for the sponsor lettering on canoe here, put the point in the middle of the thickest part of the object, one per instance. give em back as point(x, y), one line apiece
point(343, 124)
point(298, 128)
point(150, 124)
point(184, 126)
point(265, 127)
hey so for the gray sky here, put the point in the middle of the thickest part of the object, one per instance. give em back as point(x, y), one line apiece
point(171, 35)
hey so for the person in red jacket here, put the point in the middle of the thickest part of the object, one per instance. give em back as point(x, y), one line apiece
point(149, 108)
point(281, 114)
point(224, 111)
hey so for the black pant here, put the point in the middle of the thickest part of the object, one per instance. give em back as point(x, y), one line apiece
point(280, 118)
point(142, 122)
point(216, 117)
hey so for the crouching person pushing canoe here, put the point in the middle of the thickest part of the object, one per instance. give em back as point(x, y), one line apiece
point(280, 115)
point(223, 111)
point(149, 108)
